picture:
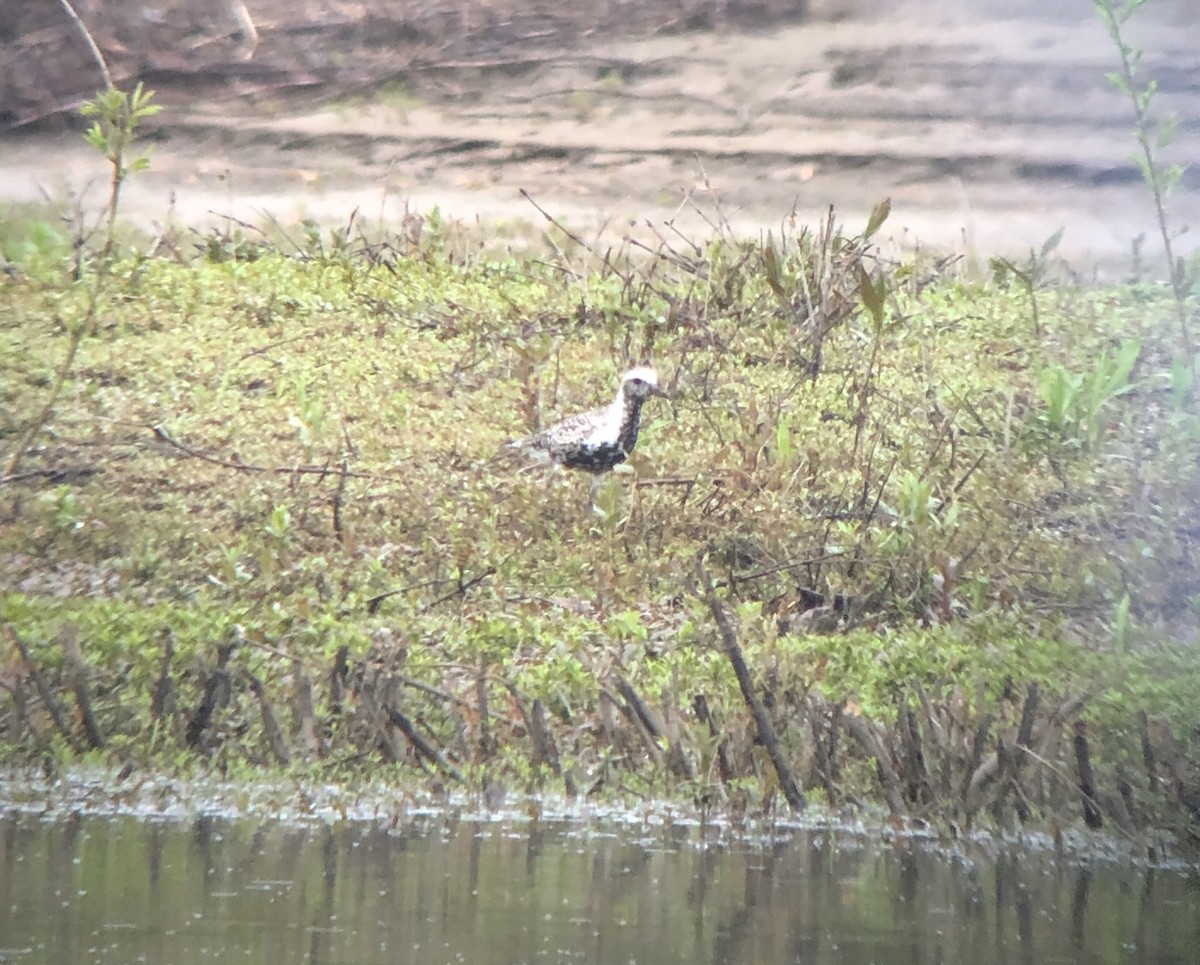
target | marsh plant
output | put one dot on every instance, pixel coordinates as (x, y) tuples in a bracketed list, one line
[(116, 116), (1152, 137), (883, 533)]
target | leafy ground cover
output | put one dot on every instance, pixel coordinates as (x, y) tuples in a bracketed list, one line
[(948, 522)]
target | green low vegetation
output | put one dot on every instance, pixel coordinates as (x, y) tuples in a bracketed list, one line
[(251, 515), (293, 450)]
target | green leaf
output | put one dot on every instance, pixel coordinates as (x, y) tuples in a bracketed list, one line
[(1182, 378), (871, 295), (770, 261), (1122, 367), (1051, 243), (784, 445), (879, 215), (95, 137), (1169, 177), (1143, 167), (1166, 130), (749, 610)]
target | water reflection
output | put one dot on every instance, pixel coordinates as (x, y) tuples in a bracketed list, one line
[(120, 891)]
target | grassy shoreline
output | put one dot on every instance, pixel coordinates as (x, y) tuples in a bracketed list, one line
[(950, 522)]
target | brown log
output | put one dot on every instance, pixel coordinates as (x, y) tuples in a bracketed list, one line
[(162, 695), (835, 719), (337, 680), (369, 725), (45, 691), (485, 744), (1168, 755), (933, 728), (1120, 806), (271, 728), (1147, 750), (916, 776), (981, 771), (216, 695), (305, 715), (677, 760), (1013, 766), (860, 729), (68, 640), (336, 502), (704, 715), (1004, 767), (992, 767), (422, 746), (1087, 781), (23, 717), (821, 762), (637, 714), (765, 731), (639, 708), (545, 751), (608, 722), (1028, 718), (937, 736), (519, 703)]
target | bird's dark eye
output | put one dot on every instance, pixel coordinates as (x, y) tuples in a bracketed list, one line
[(639, 381)]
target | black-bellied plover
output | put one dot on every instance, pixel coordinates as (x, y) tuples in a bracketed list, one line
[(598, 440)]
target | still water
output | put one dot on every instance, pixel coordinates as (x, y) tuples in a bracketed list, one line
[(121, 890)]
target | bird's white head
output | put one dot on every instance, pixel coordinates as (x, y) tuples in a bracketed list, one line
[(640, 383)]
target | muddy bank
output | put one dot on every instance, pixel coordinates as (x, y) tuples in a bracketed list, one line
[(990, 125)]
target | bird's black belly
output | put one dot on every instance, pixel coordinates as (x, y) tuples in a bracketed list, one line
[(594, 458)]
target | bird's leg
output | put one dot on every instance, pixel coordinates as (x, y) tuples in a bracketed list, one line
[(552, 472), (593, 489)]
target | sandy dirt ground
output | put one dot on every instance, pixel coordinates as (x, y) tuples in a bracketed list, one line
[(989, 124)]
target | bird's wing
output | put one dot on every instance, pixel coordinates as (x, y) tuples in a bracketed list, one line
[(586, 428)]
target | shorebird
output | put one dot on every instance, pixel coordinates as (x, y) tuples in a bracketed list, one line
[(598, 440)]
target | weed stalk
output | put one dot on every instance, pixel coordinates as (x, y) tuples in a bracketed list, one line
[(117, 116), (1151, 137)]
